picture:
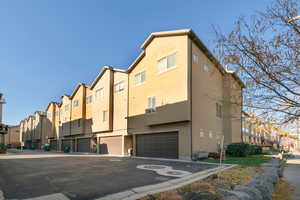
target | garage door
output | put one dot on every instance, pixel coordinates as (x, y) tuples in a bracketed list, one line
[(111, 145), (68, 143), (84, 145), (164, 145), (53, 145)]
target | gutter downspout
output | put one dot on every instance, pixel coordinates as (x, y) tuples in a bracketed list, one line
[(191, 84)]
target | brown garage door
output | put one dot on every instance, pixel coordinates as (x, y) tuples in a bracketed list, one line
[(68, 143), (111, 145), (84, 145), (53, 145), (164, 145)]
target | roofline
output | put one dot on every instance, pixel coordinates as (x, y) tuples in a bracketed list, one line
[(64, 95), (76, 89), (194, 38), (104, 68)]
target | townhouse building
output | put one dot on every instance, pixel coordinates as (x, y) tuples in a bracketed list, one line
[(256, 131), (28, 139), (12, 138), (173, 101), (52, 123)]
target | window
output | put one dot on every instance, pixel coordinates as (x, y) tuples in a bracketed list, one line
[(152, 103), (89, 99), (119, 86), (67, 107), (49, 115), (205, 68), (104, 117), (99, 93), (139, 78), (166, 63), (78, 122), (218, 110), (195, 58), (76, 103)]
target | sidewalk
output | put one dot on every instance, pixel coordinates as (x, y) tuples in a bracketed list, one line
[(292, 174)]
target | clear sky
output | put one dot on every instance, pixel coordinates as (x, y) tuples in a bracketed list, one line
[(48, 46)]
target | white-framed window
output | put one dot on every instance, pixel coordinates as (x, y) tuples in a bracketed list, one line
[(99, 93), (119, 86), (166, 63), (76, 103), (152, 103), (205, 68), (104, 115), (139, 78), (89, 99), (195, 58), (67, 107), (218, 110)]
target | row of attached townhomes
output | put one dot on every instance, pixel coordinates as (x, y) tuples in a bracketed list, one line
[(173, 101)]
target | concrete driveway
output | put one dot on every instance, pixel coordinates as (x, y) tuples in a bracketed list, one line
[(28, 175)]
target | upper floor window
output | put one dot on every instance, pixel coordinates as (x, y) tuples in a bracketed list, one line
[(67, 107), (104, 115), (76, 103), (139, 78), (89, 99), (218, 110), (119, 86), (49, 115), (99, 93), (166, 63), (152, 103)]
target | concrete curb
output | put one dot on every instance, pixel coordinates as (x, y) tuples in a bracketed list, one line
[(143, 191), (177, 160), (2, 195)]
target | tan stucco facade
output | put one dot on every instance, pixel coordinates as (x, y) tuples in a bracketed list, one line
[(12, 138), (189, 91)]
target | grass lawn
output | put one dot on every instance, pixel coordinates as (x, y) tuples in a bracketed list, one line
[(253, 160)]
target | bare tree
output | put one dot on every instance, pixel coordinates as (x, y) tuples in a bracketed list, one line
[(264, 50)]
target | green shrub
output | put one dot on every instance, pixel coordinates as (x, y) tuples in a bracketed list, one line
[(238, 149), (255, 149)]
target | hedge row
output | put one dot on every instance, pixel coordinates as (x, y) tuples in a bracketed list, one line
[(243, 149)]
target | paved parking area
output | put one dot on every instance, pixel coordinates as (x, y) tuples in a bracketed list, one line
[(79, 176)]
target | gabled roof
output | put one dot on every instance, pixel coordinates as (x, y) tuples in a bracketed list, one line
[(51, 102), (77, 88), (103, 71), (194, 38), (100, 75), (65, 95)]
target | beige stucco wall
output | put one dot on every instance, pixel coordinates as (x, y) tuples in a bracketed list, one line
[(78, 113), (65, 116), (170, 89), (120, 104), (207, 90), (13, 136), (103, 104)]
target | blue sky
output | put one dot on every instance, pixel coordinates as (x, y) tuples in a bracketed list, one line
[(47, 47)]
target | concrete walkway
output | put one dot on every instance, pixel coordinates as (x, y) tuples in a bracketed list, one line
[(292, 174)]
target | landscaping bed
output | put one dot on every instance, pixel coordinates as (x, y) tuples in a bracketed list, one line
[(237, 183), (208, 188)]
